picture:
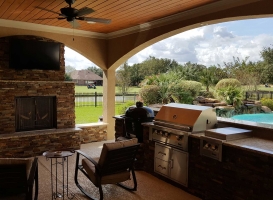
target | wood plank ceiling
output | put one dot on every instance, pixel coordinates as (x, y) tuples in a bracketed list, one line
[(123, 13)]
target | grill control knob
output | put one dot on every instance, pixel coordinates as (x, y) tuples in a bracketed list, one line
[(180, 137), (166, 134)]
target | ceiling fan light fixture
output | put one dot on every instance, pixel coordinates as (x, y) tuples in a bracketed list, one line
[(90, 22), (70, 19)]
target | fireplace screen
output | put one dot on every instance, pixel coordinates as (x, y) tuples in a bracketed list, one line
[(35, 113)]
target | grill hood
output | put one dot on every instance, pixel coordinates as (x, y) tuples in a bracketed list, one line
[(193, 118)]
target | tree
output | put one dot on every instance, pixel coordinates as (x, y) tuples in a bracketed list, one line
[(249, 73), (267, 55), (96, 70), (206, 77), (136, 75), (67, 77), (190, 71), (69, 69), (154, 66), (123, 78)]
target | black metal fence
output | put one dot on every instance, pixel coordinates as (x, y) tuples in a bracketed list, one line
[(96, 99), (258, 95)]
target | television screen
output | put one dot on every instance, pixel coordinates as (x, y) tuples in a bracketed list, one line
[(33, 54)]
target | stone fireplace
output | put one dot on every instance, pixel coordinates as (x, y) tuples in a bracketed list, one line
[(36, 105)]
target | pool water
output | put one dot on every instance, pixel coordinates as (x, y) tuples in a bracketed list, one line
[(266, 118)]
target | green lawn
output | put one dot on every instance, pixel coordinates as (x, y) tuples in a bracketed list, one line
[(89, 114), (99, 89), (263, 88)]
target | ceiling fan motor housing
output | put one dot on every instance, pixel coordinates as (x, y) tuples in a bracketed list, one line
[(70, 1), (69, 12)]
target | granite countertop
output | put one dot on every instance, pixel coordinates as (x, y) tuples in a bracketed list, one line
[(252, 144)]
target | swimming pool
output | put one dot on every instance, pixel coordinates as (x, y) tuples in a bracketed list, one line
[(266, 118)]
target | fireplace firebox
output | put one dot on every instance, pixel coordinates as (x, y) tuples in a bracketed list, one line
[(35, 113)]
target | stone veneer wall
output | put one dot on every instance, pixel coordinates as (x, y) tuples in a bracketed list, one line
[(65, 97), (94, 132), (16, 83), (34, 143)]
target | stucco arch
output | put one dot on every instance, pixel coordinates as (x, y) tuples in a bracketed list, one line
[(135, 42), (171, 33), (159, 38)]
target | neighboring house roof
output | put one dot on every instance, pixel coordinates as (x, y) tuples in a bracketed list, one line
[(85, 75)]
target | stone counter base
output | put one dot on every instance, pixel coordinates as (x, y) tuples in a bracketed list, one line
[(34, 143), (93, 132)]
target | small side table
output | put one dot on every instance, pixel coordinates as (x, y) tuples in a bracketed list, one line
[(60, 158)]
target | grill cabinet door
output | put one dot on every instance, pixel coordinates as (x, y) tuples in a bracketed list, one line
[(161, 167), (179, 166), (162, 152), (162, 156)]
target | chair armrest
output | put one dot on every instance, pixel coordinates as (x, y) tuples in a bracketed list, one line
[(88, 157), (33, 177), (33, 169)]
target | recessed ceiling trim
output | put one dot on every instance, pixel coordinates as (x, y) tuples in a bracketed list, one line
[(50, 29), (217, 6)]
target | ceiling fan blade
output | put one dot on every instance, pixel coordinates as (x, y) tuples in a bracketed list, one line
[(84, 11), (96, 20), (74, 24), (46, 18), (48, 10)]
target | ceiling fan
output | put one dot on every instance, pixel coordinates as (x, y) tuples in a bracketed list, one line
[(73, 14)]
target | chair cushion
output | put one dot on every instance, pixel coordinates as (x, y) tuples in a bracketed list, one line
[(114, 145), (18, 161), (109, 179)]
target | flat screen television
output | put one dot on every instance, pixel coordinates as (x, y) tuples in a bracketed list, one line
[(33, 54)]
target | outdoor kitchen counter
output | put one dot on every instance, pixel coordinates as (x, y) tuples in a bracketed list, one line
[(253, 144)]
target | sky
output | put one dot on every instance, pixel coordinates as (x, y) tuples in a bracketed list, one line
[(208, 45)]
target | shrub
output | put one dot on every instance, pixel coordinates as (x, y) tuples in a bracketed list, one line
[(121, 109), (149, 94), (231, 95), (267, 102), (206, 94), (224, 83), (185, 91)]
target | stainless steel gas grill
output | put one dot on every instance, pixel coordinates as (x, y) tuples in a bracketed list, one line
[(172, 125)]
